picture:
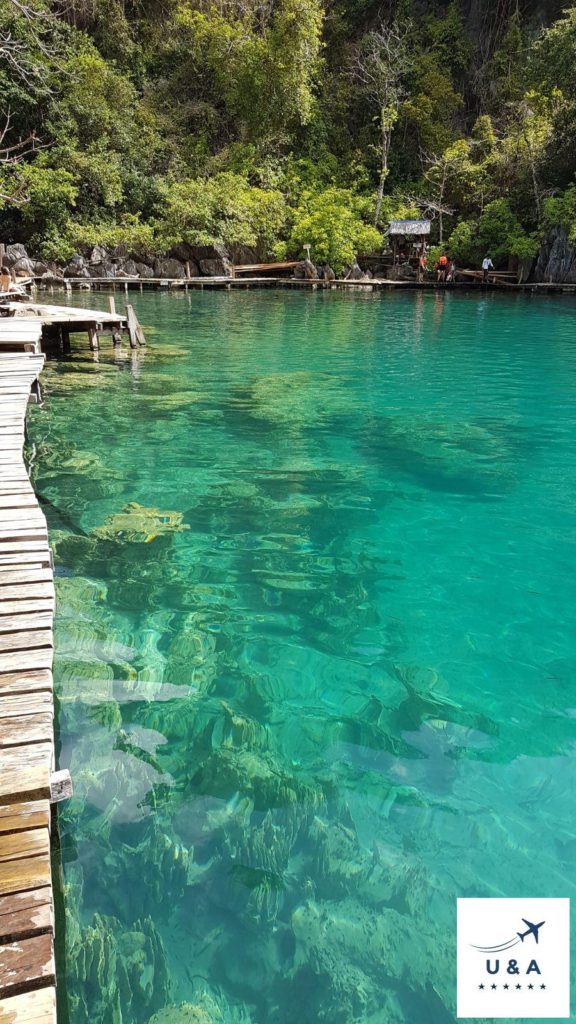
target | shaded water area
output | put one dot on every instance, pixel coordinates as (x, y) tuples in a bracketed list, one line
[(316, 654)]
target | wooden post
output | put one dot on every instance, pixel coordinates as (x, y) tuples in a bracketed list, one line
[(188, 269), (93, 338), (132, 333), (60, 786), (112, 305)]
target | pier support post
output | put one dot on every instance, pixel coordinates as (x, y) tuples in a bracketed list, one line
[(135, 332), (93, 339)]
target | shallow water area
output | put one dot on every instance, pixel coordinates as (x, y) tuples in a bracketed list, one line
[(315, 646)]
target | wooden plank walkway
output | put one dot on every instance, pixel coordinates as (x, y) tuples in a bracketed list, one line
[(27, 969)]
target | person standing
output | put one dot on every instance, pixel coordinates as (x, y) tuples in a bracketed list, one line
[(422, 266), (486, 266)]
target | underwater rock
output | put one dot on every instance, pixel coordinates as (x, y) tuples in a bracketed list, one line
[(191, 659), (386, 946), (259, 858), (228, 771), (452, 456), (424, 702), (298, 399), (339, 865), (208, 1008), (139, 525), (117, 975), (185, 1013)]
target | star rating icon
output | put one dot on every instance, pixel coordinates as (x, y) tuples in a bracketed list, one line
[(506, 987)]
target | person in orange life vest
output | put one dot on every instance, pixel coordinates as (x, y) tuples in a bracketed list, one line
[(442, 267)]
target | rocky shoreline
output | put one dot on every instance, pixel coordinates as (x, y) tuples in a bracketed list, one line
[(117, 263), (555, 263)]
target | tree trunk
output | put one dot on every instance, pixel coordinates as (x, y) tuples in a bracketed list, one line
[(386, 132)]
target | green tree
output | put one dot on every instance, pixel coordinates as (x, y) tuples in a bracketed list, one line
[(333, 223)]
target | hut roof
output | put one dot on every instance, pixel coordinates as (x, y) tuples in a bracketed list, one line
[(409, 227)]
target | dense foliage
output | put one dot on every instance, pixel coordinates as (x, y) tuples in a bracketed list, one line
[(270, 124)]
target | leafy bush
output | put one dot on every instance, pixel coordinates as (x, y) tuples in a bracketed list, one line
[(224, 209), (333, 223), (497, 233)]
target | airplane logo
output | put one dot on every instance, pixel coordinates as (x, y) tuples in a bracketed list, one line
[(532, 929)]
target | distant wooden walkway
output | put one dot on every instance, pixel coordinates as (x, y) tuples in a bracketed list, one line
[(27, 971)]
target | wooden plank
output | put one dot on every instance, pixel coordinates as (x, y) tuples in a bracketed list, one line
[(26, 964), (26, 681), (26, 729), (26, 515), (38, 1007), (23, 575), (15, 607), (29, 620), (18, 499), (19, 921), (30, 814), (24, 544), (16, 705), (21, 779), (29, 559), (26, 639), (24, 591), (34, 842), (23, 875), (39, 533), (12, 661)]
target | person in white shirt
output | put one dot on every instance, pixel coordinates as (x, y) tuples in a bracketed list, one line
[(486, 266)]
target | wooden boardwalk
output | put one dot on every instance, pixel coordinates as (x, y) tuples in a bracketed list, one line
[(27, 971)]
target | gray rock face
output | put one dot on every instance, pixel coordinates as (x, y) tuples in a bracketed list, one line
[(101, 270), (219, 267), (129, 268), (14, 253), (23, 267), (168, 268), (143, 270), (76, 267), (556, 262), (245, 254), (98, 254), (355, 273)]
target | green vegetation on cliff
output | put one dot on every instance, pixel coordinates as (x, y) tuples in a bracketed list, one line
[(268, 124)]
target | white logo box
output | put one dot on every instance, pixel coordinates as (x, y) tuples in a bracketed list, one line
[(513, 958)]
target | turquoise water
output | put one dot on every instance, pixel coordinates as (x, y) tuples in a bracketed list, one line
[(315, 647)]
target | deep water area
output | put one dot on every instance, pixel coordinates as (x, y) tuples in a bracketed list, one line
[(315, 646)]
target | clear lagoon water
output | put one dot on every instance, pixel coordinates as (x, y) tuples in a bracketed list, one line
[(316, 649)]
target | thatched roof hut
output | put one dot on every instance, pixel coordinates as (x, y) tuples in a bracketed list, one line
[(409, 227)]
